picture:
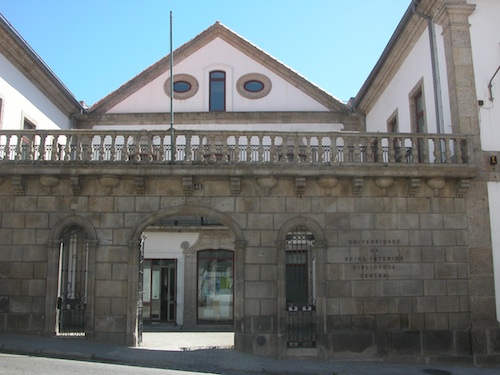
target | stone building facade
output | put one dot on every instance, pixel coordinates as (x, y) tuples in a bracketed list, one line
[(299, 224)]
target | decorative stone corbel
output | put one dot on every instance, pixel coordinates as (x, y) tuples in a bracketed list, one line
[(18, 184), (140, 185), (49, 181), (187, 185), (327, 183), (462, 187), (109, 182), (75, 185), (357, 186), (300, 186), (436, 184), (413, 186), (384, 183), (267, 183), (235, 185)]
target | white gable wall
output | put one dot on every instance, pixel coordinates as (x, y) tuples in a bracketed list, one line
[(417, 68), (21, 99), (218, 55), (485, 41)]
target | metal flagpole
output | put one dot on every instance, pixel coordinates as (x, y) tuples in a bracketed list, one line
[(172, 138)]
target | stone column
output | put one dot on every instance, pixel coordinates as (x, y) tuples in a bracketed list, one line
[(190, 288), (90, 306), (53, 247), (239, 294), (281, 340), (134, 248), (320, 248)]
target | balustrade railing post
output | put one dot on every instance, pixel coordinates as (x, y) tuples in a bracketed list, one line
[(249, 149), (308, 151), (457, 147), (437, 150), (333, 149), (42, 150), (391, 149)]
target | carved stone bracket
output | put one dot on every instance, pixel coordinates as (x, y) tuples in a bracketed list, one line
[(413, 186), (357, 186), (327, 183), (75, 185), (267, 183), (235, 185), (18, 184), (436, 184), (140, 185), (187, 185), (109, 182), (384, 183), (300, 186), (49, 181), (462, 187)]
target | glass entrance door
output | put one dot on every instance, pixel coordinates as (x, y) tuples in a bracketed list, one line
[(215, 286), (160, 285)]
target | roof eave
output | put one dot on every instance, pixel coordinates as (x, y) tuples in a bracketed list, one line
[(383, 58), (27, 61)]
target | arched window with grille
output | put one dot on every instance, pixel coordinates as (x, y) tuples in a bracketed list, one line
[(73, 280), (300, 290), (299, 267)]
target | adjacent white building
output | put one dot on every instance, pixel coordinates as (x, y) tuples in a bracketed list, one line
[(410, 90)]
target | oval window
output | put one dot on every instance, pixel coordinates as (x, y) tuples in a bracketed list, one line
[(182, 86), (253, 86)]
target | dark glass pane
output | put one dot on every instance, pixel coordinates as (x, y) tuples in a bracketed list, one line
[(217, 91), (217, 96), (253, 86), (296, 277), (219, 75), (182, 86)]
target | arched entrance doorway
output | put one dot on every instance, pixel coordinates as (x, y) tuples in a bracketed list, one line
[(69, 306), (189, 270), (301, 244)]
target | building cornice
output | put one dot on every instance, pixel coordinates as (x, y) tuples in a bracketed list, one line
[(350, 120)]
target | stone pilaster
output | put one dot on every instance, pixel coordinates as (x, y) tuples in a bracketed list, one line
[(453, 17)]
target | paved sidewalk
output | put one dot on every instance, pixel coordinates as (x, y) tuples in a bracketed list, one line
[(191, 353)]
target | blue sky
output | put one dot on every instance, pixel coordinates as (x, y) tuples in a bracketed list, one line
[(95, 46)]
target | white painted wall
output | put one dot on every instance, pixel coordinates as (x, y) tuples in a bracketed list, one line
[(167, 245), (485, 41), (22, 99), (218, 55), (396, 97), (494, 202)]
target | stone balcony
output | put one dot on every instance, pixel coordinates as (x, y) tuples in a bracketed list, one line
[(236, 154)]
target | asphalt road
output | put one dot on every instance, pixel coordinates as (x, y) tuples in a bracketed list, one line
[(12, 364)]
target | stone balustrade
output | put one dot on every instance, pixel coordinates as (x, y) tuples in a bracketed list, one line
[(115, 146)]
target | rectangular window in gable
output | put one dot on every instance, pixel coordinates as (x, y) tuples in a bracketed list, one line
[(217, 98)]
